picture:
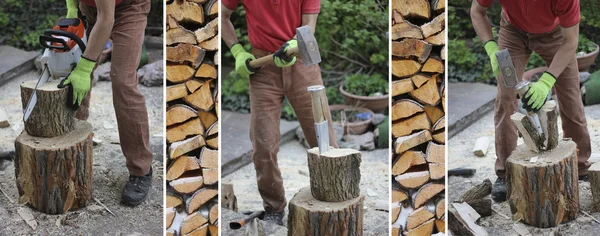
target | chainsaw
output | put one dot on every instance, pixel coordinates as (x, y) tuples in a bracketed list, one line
[(64, 45)]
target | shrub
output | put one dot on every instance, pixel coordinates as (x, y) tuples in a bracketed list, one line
[(366, 85)]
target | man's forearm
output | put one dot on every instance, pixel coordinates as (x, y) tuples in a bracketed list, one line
[(99, 36), (569, 47), (481, 22), (227, 29), (310, 20)]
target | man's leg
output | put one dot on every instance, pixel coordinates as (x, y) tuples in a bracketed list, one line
[(574, 124), (266, 99)]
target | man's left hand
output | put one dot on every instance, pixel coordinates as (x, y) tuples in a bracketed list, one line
[(72, 8), (536, 95), (281, 58)]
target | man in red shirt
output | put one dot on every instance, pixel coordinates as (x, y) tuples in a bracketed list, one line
[(271, 29), (551, 29)]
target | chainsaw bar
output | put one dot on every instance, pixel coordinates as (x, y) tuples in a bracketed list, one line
[(33, 100)]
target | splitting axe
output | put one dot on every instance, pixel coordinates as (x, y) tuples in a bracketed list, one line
[(249, 218), (307, 49)]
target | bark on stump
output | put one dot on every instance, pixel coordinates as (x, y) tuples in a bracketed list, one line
[(309, 216), (53, 115), (54, 175), (335, 174), (543, 192)]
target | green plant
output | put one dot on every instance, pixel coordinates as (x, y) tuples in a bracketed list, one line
[(234, 92), (333, 95), (585, 45), (366, 85)]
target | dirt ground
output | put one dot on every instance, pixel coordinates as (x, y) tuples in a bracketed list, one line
[(293, 164), (460, 155), (110, 173)]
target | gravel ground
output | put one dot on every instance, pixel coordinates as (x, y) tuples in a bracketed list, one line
[(110, 173), (460, 155), (294, 168)]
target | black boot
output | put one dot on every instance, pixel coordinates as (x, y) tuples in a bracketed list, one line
[(137, 188), (274, 217), (499, 190), (585, 178)]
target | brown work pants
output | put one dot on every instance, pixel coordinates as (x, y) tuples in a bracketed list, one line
[(130, 105), (520, 44), (268, 87)]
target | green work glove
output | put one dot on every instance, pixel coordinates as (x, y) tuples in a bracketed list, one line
[(281, 58), (72, 8), (79, 79), (242, 57), (536, 95), (491, 47)]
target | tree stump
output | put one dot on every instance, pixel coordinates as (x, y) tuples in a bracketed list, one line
[(309, 216), (335, 174), (54, 175), (53, 115), (543, 192), (594, 172)]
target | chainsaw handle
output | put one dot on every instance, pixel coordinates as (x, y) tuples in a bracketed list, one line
[(47, 39)]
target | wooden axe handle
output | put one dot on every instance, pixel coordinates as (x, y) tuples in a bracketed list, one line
[(318, 98), (263, 61)]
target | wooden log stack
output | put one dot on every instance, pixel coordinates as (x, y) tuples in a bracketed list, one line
[(333, 204), (418, 116), (53, 162), (192, 117)]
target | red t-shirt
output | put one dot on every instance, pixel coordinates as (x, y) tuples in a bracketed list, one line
[(539, 16), (93, 2), (271, 23)]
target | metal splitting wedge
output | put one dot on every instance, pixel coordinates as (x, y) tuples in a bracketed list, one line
[(319, 103)]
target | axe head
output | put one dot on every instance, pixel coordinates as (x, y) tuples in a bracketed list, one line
[(307, 46), (507, 69)]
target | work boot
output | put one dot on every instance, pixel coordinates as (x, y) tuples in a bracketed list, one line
[(274, 217), (584, 178), (499, 190), (137, 188)]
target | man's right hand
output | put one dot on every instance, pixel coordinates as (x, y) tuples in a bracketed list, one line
[(72, 8), (241, 57), (491, 47)]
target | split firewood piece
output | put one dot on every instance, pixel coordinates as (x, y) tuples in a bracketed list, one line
[(444, 99), (440, 208), (213, 213), (594, 172), (482, 206), (439, 136), (396, 230), (443, 52), (530, 135), (180, 113), (407, 142), (413, 8), (170, 216), (403, 68), (180, 148), (211, 44), (549, 121), (216, 58), (181, 165), (212, 130), (402, 86), (170, 232), (211, 175), (438, 39), (180, 35), (436, 153), (192, 222), (396, 17), (462, 222), (201, 231), (433, 65), (426, 192), (194, 84), (187, 185), (396, 208), (201, 99), (173, 199), (208, 31), (199, 198), (171, 22), (404, 108), (178, 73), (213, 229), (437, 171), (209, 158), (398, 196), (407, 126), (434, 26), (412, 48), (184, 52), (207, 70), (418, 217), (181, 131), (419, 79), (405, 29), (482, 144), (213, 142), (434, 113), (423, 229), (413, 179), (207, 118), (440, 225), (428, 93), (439, 126), (407, 160), (212, 8), (438, 5), (187, 12), (175, 92)]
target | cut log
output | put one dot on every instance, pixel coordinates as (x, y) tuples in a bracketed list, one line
[(209, 158), (213, 213), (170, 216), (437, 171), (201, 99), (424, 229), (440, 208), (436, 153), (440, 225), (396, 208), (405, 29), (438, 39), (462, 222), (212, 8), (413, 8), (54, 175), (418, 217), (398, 196), (211, 44), (335, 174), (179, 73), (439, 136), (440, 124), (438, 5), (180, 35), (548, 120), (213, 142), (405, 108), (594, 172), (407, 126), (477, 192), (482, 144), (173, 199), (207, 70), (186, 12), (179, 113), (428, 93), (213, 230), (412, 48), (426, 192), (407, 142), (545, 192), (531, 137), (419, 79), (199, 198), (208, 31), (192, 222), (53, 114), (403, 68), (207, 118), (181, 131), (175, 92), (211, 176), (194, 84), (180, 148), (482, 206), (433, 65), (407, 160), (309, 216), (187, 185), (183, 53), (180, 166), (434, 26), (201, 231), (412, 180), (434, 113), (402, 86)]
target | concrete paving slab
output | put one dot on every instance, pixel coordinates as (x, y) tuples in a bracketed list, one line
[(14, 62), (467, 102), (235, 131)]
